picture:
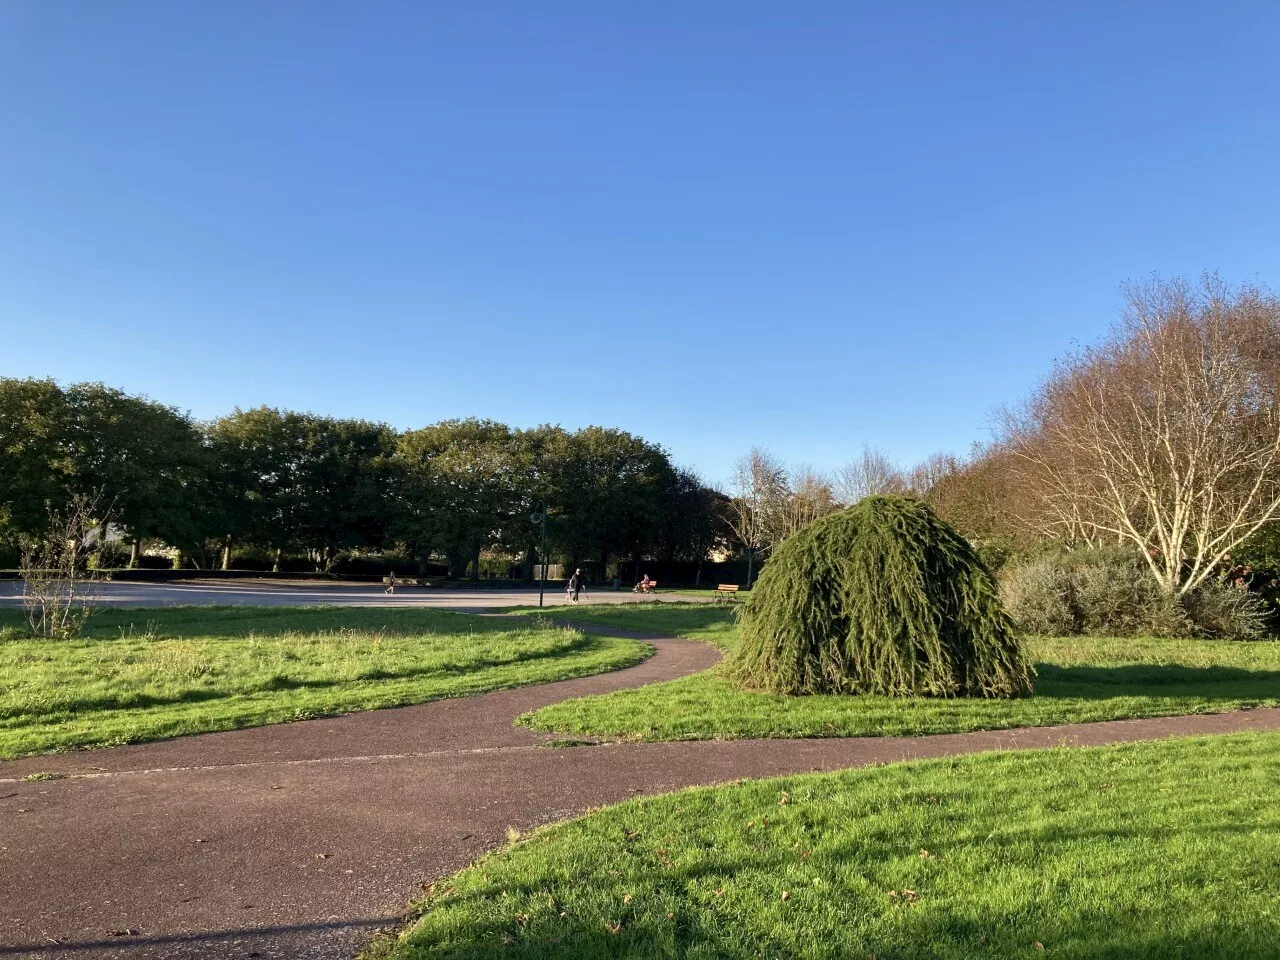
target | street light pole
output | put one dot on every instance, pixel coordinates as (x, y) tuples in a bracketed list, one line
[(541, 517)]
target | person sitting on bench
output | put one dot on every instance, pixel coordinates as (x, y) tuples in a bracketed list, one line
[(644, 586)]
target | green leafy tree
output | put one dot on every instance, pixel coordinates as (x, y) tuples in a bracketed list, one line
[(309, 483), (460, 490), (36, 468)]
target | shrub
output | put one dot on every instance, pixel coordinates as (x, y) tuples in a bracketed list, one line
[(1226, 610), (1040, 595), (1112, 593), (1093, 591), (881, 598)]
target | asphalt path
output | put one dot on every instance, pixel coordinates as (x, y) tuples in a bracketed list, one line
[(303, 840), (273, 593)]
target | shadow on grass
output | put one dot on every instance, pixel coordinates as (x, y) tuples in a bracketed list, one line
[(240, 621), (280, 682), (1153, 680)]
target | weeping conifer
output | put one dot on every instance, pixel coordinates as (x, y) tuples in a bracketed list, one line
[(881, 598)]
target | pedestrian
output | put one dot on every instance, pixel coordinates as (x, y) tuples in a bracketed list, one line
[(574, 587), (391, 584)]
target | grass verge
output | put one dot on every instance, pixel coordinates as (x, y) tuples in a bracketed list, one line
[(156, 673), (1080, 679), (1145, 850)]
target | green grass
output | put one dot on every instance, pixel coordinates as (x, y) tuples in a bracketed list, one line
[(150, 674), (694, 621), (1149, 850), (1080, 679)]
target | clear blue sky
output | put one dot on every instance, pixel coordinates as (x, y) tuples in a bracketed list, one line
[(803, 225)]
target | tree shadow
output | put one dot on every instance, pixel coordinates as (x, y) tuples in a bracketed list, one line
[(1154, 680)]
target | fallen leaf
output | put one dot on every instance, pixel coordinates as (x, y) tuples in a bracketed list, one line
[(785, 895)]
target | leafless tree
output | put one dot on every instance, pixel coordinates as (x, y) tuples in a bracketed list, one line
[(58, 593), (808, 497), (757, 493), (925, 476), (871, 473), (1167, 436)]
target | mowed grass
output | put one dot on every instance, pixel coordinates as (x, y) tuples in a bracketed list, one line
[(149, 674), (1079, 679), (711, 622), (1165, 849)]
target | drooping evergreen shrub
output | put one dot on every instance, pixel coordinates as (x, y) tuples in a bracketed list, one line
[(881, 598)]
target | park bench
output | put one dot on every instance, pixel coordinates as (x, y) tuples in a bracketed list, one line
[(649, 587), (726, 591)]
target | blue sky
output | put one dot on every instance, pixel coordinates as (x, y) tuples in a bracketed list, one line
[(807, 226)]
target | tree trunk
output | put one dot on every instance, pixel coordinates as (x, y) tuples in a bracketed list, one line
[(135, 550), (751, 556), (275, 567), (226, 554), (697, 578)]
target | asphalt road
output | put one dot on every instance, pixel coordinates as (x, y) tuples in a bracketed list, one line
[(300, 593)]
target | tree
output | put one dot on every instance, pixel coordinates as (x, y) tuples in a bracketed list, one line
[(309, 482), (870, 474), (461, 489), (608, 495), (881, 598), (757, 492), (808, 497), (143, 460), (57, 588), (36, 467), (1167, 435)]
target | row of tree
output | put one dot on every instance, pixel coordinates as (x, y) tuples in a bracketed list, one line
[(298, 483), (1163, 438)]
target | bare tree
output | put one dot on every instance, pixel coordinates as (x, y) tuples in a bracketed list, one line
[(1167, 436), (871, 473), (757, 493), (57, 587), (808, 497), (925, 476)]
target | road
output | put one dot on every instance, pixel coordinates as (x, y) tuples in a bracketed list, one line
[(274, 593)]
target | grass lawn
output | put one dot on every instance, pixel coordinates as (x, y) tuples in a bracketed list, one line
[(1079, 679), (149, 674), (1149, 850)]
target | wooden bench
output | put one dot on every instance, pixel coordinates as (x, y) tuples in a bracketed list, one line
[(726, 592), (649, 587)]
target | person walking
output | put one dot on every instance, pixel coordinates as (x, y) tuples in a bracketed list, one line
[(575, 585), (391, 583)]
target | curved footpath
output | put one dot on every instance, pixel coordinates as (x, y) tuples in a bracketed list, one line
[(302, 840)]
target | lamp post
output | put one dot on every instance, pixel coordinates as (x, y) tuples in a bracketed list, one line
[(540, 517)]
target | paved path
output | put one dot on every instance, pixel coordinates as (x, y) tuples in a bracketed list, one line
[(274, 593), (301, 840)]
